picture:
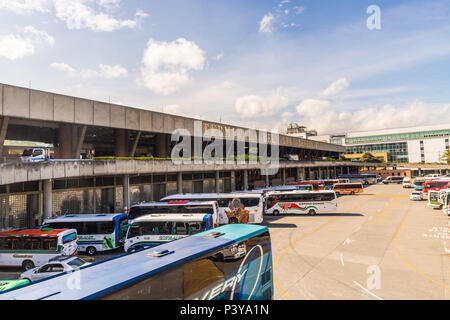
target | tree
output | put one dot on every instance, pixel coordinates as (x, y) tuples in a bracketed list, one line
[(446, 156), (368, 157)]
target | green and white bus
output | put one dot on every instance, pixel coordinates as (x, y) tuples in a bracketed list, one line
[(96, 232), (155, 229)]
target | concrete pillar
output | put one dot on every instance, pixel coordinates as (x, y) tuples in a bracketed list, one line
[(126, 193), (245, 180), (233, 181), (348, 170), (80, 134), (180, 182), (283, 172), (48, 199), (65, 141), (162, 147), (3, 131), (135, 144), (121, 143), (217, 182), (267, 181)]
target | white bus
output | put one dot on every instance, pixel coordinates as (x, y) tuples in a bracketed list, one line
[(445, 198), (96, 232), (233, 207), (29, 248), (176, 207), (310, 202), (435, 198), (155, 229)]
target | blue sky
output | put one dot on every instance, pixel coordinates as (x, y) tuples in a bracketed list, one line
[(256, 63)]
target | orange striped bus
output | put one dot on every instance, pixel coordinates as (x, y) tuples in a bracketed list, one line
[(348, 188)]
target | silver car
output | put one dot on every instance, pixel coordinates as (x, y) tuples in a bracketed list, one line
[(416, 195), (53, 267)]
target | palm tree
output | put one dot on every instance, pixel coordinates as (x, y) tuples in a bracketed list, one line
[(446, 156), (368, 157)]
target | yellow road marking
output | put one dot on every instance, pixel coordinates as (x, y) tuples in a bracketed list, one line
[(303, 237), (404, 260), (384, 195)]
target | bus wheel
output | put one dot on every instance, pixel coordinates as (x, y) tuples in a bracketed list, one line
[(27, 265), (233, 221), (276, 212), (312, 212), (91, 251)]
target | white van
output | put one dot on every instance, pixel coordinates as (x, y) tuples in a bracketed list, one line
[(35, 155), (407, 182)]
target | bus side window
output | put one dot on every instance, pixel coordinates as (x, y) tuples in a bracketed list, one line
[(91, 228), (28, 244), (49, 244), (106, 227), (14, 243)]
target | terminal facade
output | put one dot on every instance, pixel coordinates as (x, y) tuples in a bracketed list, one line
[(106, 157)]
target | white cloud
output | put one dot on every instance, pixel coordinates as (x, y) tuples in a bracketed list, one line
[(266, 23), (63, 67), (336, 87), (219, 56), (323, 116), (109, 3), (105, 71), (25, 6), (78, 15), (299, 10), (166, 65), (253, 106), (18, 46)]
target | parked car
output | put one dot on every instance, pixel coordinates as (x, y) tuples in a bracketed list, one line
[(53, 267), (407, 183), (393, 179), (416, 196)]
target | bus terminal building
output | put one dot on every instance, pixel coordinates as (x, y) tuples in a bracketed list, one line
[(108, 157)]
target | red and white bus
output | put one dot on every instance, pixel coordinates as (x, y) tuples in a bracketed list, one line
[(435, 185), (29, 248)]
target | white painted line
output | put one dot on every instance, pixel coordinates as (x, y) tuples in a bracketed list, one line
[(367, 291), (348, 241), (342, 259)]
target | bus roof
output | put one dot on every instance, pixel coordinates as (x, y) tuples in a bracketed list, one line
[(43, 232), (87, 217), (101, 277), (186, 217), (188, 196), (345, 183), (173, 203), (300, 191)]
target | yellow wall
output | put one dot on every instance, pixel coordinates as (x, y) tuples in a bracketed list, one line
[(379, 155)]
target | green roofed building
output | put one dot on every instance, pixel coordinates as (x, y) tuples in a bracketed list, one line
[(425, 144)]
